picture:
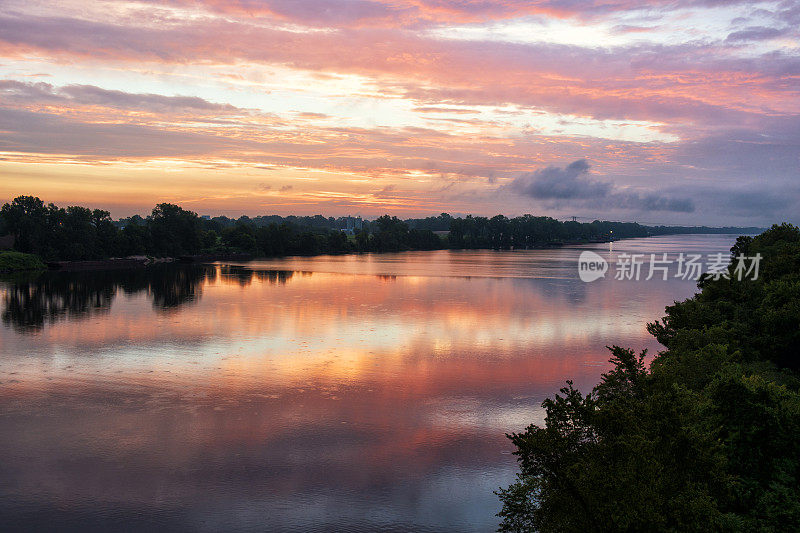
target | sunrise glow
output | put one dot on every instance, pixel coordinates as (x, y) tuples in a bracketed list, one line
[(686, 112)]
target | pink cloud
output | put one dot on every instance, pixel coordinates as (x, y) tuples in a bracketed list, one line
[(661, 83)]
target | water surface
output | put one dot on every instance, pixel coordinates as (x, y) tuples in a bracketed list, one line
[(348, 393)]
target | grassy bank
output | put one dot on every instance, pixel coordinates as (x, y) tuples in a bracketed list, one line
[(16, 261)]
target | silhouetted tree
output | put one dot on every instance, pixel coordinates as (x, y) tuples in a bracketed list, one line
[(25, 217), (174, 230)]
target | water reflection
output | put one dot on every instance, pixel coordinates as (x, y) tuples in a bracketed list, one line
[(294, 399), (29, 305), (33, 301)]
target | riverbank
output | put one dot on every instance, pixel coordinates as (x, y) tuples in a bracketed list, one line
[(117, 263), (18, 262), (142, 261), (33, 262)]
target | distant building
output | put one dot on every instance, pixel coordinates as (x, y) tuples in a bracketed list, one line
[(352, 225)]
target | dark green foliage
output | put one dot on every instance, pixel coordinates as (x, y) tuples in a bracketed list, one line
[(240, 237), (706, 439), (759, 320), (174, 230), (15, 261), (52, 232), (26, 218), (390, 234), (337, 242), (135, 239), (529, 231), (440, 223), (77, 233)]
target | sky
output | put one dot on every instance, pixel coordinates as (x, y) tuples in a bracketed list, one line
[(673, 112)]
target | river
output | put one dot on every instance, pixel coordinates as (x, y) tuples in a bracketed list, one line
[(333, 393)]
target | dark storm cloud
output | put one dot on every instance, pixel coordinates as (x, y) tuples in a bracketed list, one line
[(571, 185), (560, 183)]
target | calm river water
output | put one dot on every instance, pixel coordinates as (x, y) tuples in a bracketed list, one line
[(346, 393)]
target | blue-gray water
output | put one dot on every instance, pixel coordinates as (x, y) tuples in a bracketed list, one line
[(348, 393)]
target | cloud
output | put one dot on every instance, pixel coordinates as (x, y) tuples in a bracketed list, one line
[(557, 183), (40, 92), (426, 13), (755, 33), (725, 114), (649, 202), (445, 110), (758, 202), (152, 102), (570, 185), (43, 133), (312, 115), (387, 192), (761, 202), (636, 81)]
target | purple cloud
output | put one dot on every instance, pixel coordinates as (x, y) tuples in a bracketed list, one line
[(571, 185)]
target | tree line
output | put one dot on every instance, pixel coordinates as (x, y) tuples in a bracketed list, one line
[(707, 438), (79, 233)]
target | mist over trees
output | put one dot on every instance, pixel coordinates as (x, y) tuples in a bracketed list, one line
[(705, 439)]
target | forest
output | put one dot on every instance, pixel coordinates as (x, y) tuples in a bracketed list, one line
[(703, 436), (73, 233)]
